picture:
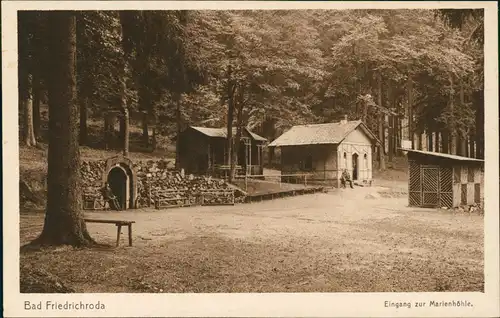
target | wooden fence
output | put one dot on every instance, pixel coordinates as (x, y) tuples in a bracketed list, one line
[(301, 178)]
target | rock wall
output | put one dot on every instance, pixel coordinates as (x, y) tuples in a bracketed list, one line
[(92, 174), (152, 175)]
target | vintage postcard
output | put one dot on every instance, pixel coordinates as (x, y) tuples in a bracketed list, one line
[(239, 158)]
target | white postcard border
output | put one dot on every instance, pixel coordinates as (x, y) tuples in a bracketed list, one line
[(257, 305)]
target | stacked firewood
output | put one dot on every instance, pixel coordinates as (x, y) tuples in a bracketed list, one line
[(155, 177), (91, 177)]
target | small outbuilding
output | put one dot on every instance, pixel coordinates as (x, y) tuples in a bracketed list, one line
[(203, 150), (444, 180), (323, 151)]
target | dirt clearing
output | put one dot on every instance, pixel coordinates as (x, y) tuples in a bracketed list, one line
[(342, 241)]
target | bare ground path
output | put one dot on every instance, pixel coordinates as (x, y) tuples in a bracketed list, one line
[(345, 240)]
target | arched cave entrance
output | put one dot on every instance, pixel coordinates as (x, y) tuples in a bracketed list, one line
[(122, 181), (118, 182)]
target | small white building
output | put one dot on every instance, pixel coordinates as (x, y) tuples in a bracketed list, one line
[(325, 150)]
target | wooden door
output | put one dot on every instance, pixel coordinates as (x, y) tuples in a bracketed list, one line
[(430, 186)]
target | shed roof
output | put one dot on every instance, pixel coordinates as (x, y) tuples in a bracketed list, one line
[(442, 155), (330, 133), (222, 132)]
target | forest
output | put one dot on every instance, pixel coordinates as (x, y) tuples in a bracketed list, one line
[(268, 70), (412, 75)]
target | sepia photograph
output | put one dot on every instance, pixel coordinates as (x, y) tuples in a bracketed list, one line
[(251, 151)]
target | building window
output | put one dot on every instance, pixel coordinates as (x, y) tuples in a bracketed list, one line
[(345, 160), (470, 174), (365, 161)]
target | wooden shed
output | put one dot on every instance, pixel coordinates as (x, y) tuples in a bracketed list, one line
[(203, 150), (444, 180), (324, 150)]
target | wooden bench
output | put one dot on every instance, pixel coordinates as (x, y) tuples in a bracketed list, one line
[(171, 198), (119, 224), (225, 196)]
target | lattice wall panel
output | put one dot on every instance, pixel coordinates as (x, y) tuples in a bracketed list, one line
[(431, 198), (445, 180), (415, 181), (414, 198), (446, 200), (430, 179)]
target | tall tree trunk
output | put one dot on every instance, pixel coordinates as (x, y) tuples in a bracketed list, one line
[(409, 87), (391, 137), (230, 117), (437, 141), (381, 116), (478, 98), (36, 104), (270, 132), (239, 123), (38, 69), (153, 141), (83, 120), (397, 135), (419, 140), (465, 145), (453, 133), (472, 153), (106, 131), (461, 135), (145, 129), (27, 102), (398, 129), (458, 144), (126, 133), (125, 120), (430, 142), (178, 120), (445, 141), (236, 146), (64, 222), (145, 106)]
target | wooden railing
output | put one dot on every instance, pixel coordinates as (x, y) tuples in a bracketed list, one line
[(181, 198), (171, 198), (217, 197), (298, 178), (222, 171)]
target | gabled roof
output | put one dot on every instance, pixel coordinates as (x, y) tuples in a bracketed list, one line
[(222, 132), (442, 155), (331, 133)]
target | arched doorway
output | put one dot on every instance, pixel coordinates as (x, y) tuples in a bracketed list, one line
[(122, 180), (355, 166), (119, 184)]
